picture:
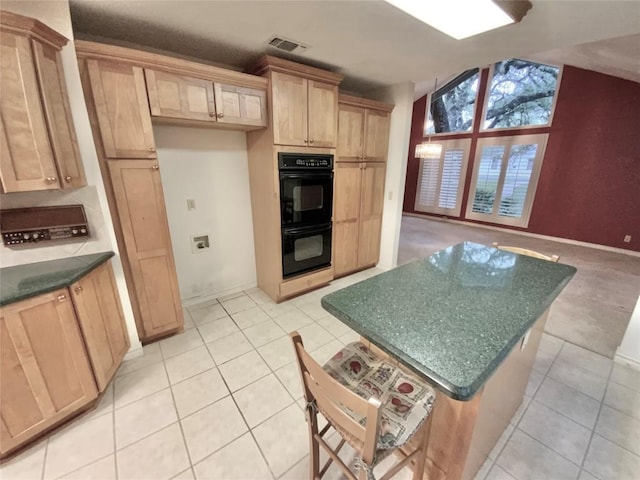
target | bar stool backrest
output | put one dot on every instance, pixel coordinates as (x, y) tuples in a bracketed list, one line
[(526, 251)]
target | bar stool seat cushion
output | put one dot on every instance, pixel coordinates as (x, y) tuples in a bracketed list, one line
[(406, 400)]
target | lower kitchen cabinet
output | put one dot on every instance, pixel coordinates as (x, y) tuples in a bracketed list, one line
[(45, 375), (97, 304), (357, 215)]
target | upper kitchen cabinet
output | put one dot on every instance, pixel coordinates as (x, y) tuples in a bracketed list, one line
[(178, 96), (38, 145), (304, 103), (240, 105), (188, 98), (363, 130), (122, 110)]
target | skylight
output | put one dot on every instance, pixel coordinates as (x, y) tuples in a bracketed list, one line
[(457, 18)]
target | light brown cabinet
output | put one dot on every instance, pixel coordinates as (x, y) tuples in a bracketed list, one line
[(188, 98), (179, 96), (357, 215), (363, 133), (38, 145), (139, 199), (122, 111), (240, 105), (305, 111), (360, 169), (97, 303), (45, 375)]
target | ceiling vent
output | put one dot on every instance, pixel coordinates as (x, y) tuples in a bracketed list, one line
[(286, 44)]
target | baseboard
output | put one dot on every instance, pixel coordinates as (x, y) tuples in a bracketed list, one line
[(134, 352), (625, 360), (189, 302), (527, 234)]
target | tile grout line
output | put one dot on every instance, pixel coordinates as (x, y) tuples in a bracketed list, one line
[(595, 425), (44, 458), (175, 406)]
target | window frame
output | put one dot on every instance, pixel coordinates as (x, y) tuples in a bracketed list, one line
[(463, 144), (427, 135), (508, 141), (485, 103)]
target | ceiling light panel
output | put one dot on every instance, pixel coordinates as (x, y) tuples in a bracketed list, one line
[(457, 18)]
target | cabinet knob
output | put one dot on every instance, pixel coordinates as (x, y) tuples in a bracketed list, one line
[(78, 289), (305, 140), (156, 167), (62, 298), (151, 149), (311, 140), (68, 179), (50, 179), (220, 115), (212, 114)]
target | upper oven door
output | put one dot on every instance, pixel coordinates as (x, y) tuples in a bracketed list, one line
[(305, 198)]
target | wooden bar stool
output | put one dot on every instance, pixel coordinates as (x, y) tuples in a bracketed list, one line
[(526, 251), (376, 408)]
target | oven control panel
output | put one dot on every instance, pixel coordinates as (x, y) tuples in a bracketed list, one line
[(304, 161), (54, 233)]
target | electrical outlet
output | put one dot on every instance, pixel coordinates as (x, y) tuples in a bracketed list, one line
[(627, 238)]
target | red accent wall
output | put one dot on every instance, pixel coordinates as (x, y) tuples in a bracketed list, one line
[(589, 187)]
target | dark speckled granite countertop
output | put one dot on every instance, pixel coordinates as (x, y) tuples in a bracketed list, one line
[(25, 281), (454, 316)]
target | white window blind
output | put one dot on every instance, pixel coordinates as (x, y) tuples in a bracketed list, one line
[(505, 177), (440, 181)]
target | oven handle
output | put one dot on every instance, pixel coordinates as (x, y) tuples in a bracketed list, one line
[(301, 230), (316, 175)]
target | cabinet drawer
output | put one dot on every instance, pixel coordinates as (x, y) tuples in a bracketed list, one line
[(306, 282)]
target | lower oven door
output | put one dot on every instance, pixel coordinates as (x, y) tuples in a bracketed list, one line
[(305, 249)]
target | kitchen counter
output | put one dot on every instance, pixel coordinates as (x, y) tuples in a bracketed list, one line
[(455, 316), (25, 281)]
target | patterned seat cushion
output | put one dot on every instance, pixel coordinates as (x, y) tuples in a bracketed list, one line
[(406, 400)]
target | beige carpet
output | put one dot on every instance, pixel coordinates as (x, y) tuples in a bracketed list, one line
[(592, 311)]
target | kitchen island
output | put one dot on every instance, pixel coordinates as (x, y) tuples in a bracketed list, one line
[(468, 319)]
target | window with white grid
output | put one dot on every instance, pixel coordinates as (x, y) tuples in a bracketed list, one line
[(441, 180), (505, 176)]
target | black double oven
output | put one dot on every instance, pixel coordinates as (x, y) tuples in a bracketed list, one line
[(306, 207)]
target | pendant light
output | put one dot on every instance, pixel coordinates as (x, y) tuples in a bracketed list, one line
[(429, 150)]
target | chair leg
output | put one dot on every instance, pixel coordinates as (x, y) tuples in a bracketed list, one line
[(314, 448), (418, 467)]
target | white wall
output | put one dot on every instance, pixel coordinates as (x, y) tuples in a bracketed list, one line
[(629, 350), (211, 167), (55, 14), (401, 95)]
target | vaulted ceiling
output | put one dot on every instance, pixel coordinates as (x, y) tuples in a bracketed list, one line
[(372, 43)]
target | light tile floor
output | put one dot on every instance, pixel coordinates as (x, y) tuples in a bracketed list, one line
[(223, 401)]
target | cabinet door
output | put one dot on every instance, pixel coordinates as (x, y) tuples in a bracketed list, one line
[(97, 303), (350, 134), (323, 114), (178, 96), (241, 106), (140, 201), (121, 106), (376, 136), (346, 212), (289, 109), (44, 371), (26, 161), (58, 113), (371, 203)]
